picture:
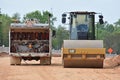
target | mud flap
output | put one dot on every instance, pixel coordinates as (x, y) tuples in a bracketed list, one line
[(15, 60), (45, 61)]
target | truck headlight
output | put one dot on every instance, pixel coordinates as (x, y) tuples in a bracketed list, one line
[(71, 50)]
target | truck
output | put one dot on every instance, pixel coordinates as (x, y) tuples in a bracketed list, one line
[(82, 49), (30, 40)]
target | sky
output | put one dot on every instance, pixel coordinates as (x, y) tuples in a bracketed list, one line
[(109, 8)]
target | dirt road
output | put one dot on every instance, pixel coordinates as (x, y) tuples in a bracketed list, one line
[(33, 71)]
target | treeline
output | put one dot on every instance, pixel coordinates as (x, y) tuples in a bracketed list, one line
[(110, 33), (5, 21)]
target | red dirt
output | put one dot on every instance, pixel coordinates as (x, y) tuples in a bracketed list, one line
[(33, 71), (4, 54), (112, 62)]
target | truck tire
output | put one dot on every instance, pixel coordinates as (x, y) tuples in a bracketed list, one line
[(15, 60), (45, 61)]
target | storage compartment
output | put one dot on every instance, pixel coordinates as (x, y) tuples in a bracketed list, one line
[(29, 40)]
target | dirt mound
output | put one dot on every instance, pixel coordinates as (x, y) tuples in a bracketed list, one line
[(112, 62), (4, 54)]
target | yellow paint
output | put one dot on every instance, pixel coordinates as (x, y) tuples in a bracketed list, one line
[(85, 51)]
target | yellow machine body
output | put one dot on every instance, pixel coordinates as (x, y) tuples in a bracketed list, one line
[(83, 53)]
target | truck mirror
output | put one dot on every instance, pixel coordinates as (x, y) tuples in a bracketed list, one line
[(101, 19), (64, 15), (64, 18), (53, 33)]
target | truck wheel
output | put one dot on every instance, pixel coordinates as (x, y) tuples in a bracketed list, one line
[(15, 60), (45, 61)]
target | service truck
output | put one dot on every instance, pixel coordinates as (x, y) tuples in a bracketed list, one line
[(30, 41)]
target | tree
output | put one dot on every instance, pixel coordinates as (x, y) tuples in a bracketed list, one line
[(117, 23), (41, 16), (113, 41), (16, 17), (61, 34), (110, 34), (4, 29), (32, 15), (110, 28), (101, 31)]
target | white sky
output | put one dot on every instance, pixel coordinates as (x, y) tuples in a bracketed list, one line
[(109, 8)]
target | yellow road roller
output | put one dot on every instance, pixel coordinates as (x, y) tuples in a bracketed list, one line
[(82, 50)]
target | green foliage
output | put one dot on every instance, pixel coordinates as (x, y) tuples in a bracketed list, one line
[(113, 41), (61, 34), (101, 31), (117, 23), (4, 30), (16, 16), (110, 34), (43, 17), (110, 28)]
